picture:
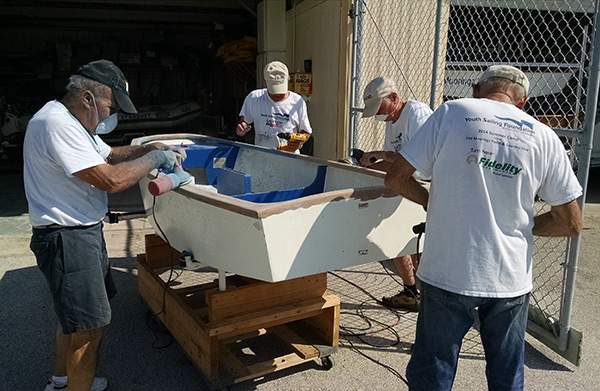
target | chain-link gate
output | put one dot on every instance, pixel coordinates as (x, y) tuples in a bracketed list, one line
[(436, 49)]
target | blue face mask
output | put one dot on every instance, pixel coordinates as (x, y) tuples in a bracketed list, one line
[(108, 124)]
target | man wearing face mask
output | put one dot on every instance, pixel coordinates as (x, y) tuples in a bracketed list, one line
[(403, 119), (274, 110), (68, 170)]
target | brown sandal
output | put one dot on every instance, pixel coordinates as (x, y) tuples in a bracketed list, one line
[(404, 300)]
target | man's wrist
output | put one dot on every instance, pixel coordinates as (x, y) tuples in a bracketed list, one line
[(151, 147)]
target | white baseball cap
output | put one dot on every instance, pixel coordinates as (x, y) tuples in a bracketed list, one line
[(375, 91), (506, 72), (276, 76)]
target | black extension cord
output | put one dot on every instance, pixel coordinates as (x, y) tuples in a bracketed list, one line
[(348, 332), (152, 319)]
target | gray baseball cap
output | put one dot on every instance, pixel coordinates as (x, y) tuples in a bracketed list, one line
[(506, 72)]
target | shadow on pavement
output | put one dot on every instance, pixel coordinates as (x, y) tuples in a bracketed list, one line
[(535, 359), (380, 338), (12, 195), (593, 190), (127, 357)]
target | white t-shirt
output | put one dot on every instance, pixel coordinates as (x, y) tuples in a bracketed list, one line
[(413, 115), (487, 161), (57, 146), (270, 117)]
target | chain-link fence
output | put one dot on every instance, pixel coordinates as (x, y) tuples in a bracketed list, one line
[(436, 49)]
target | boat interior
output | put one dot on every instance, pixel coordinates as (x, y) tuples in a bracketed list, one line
[(260, 175)]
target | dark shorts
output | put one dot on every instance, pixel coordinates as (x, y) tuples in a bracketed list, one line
[(75, 264)]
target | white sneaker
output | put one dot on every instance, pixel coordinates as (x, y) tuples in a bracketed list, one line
[(52, 385), (99, 384)]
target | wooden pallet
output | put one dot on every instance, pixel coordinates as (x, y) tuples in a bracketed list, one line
[(215, 328)]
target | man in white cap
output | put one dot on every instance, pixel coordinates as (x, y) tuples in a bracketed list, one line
[(488, 160), (403, 119), (274, 110)]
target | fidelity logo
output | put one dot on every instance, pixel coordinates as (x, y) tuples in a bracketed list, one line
[(503, 168)]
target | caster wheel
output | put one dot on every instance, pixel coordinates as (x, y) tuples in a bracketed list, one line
[(327, 362)]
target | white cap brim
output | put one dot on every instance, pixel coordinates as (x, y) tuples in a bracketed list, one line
[(371, 107)]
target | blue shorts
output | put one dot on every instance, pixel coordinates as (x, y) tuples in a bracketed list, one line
[(76, 266)]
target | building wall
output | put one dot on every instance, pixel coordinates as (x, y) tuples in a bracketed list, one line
[(319, 30), (271, 35)]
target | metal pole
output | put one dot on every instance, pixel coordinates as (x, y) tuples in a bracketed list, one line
[(436, 54), (356, 14), (585, 152), (584, 39)]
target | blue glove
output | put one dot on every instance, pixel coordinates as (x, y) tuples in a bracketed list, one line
[(166, 160), (179, 150), (183, 177)]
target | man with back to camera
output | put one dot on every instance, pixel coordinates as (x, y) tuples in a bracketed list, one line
[(403, 119), (274, 110), (67, 172), (488, 160)]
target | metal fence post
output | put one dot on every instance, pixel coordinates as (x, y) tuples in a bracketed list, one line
[(356, 14), (585, 150), (436, 54), (580, 76)]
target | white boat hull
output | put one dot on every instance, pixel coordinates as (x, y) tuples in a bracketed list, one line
[(282, 240)]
